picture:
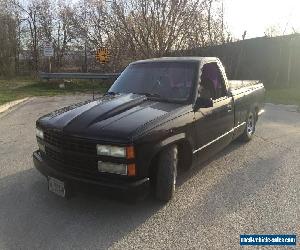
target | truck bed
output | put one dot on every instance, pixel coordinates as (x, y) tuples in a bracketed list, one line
[(238, 84)]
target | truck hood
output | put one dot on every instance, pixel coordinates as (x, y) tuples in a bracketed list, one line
[(112, 118)]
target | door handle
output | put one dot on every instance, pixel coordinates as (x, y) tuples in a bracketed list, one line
[(229, 108)]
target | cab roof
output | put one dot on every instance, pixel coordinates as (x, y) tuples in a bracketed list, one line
[(179, 59)]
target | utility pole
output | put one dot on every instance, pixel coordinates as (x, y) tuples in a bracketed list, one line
[(85, 40)]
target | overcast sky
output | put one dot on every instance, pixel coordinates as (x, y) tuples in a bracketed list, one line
[(256, 15)]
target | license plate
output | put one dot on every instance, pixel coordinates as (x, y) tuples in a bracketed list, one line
[(56, 186)]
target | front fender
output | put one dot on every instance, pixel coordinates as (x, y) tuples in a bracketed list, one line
[(168, 141), (150, 153)]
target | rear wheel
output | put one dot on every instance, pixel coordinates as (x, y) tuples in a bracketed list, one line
[(166, 174), (250, 127)]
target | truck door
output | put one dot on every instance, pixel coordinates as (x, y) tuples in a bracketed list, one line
[(213, 125)]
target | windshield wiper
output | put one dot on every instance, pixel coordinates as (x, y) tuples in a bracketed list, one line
[(149, 95), (155, 96), (111, 93)]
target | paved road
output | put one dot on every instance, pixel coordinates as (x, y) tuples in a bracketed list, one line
[(247, 188)]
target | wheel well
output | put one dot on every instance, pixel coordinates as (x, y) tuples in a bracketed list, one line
[(185, 157)]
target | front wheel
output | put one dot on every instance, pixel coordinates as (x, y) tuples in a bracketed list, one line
[(166, 174), (250, 127)]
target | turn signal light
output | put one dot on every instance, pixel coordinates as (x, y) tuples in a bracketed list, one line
[(131, 169), (130, 152)]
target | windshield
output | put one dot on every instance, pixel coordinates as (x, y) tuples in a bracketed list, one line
[(165, 80)]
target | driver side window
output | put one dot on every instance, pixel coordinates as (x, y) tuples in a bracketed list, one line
[(212, 83), (206, 89)]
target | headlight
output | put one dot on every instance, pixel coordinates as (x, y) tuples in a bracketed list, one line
[(111, 151), (118, 151), (39, 133), (112, 168), (115, 168), (115, 151)]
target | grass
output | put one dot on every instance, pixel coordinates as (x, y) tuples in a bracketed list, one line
[(17, 88), (14, 89), (290, 96)]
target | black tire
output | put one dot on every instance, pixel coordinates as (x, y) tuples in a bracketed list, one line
[(166, 174), (250, 127)]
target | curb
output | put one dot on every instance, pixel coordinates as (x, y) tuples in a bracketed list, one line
[(10, 105)]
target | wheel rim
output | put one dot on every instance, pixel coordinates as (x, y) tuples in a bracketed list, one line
[(250, 124)]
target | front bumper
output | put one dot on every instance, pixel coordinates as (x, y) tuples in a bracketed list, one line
[(82, 183)]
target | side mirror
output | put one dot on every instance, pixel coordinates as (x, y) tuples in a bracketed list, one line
[(203, 103)]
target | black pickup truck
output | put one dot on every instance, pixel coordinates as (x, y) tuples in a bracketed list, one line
[(157, 117)]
